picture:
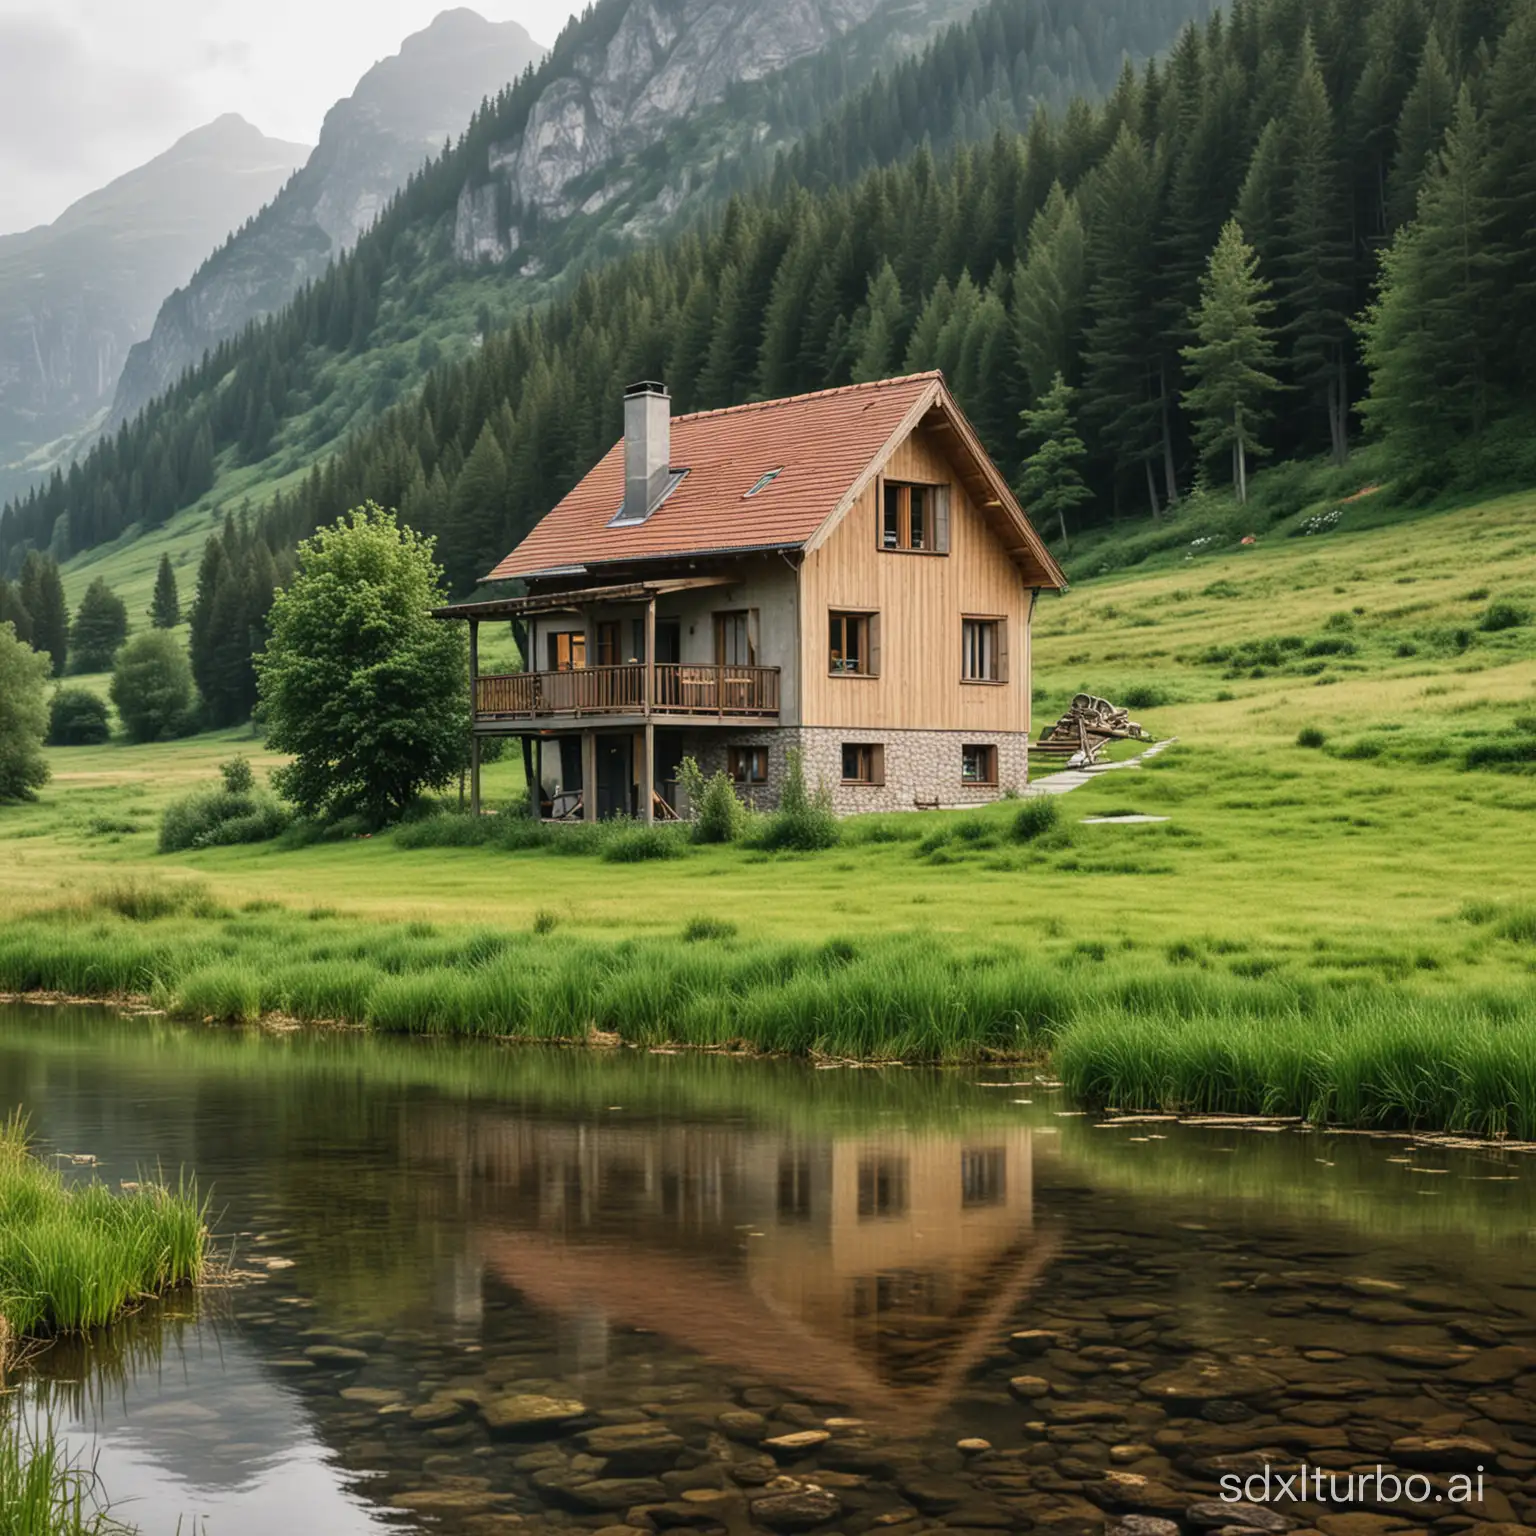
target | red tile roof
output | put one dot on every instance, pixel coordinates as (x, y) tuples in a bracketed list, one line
[(822, 444)]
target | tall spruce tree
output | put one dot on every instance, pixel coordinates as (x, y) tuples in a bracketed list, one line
[(1432, 332), (1315, 264), (165, 604), (1048, 292), (14, 612), (1229, 363), (42, 595), (1051, 481)]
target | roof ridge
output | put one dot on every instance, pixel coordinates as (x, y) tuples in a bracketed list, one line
[(815, 394)]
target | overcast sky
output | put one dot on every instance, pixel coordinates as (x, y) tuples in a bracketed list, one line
[(91, 88)]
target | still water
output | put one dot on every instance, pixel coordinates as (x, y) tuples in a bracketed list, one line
[(479, 1289)]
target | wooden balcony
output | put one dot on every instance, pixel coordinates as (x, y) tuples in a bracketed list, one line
[(690, 690)]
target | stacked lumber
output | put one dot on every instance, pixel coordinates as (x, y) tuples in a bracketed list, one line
[(1089, 725)]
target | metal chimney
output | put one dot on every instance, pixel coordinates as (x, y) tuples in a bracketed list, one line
[(647, 448)]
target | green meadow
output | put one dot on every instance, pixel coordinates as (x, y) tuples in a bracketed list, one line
[(1334, 918)]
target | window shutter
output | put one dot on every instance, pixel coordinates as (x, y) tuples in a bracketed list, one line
[(1002, 650), (879, 511), (877, 764), (941, 519), (752, 648), (874, 645)]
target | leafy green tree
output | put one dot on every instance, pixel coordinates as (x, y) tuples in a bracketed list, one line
[(152, 686), (42, 595), (1230, 361), (358, 681), (1431, 333), (165, 605), (101, 625), (78, 718), (1051, 483), (23, 717)]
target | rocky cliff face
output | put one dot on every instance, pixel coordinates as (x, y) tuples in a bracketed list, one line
[(76, 294), (401, 112), (663, 61)]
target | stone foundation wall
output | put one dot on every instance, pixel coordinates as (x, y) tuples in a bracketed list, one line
[(921, 767)]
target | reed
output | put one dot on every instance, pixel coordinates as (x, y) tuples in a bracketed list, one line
[(43, 1490), (74, 1258)]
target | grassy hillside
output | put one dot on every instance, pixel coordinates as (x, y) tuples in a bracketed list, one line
[(1358, 854)]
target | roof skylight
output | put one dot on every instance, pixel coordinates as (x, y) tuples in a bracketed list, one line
[(764, 481)]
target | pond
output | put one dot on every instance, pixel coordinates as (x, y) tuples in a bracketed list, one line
[(478, 1289)]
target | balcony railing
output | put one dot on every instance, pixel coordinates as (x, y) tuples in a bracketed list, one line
[(681, 688)]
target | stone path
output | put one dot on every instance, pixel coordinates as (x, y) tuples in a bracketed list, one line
[(1074, 778)]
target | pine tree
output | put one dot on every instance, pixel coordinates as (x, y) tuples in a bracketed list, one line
[(877, 334), (476, 514), (1421, 129), (165, 605), (1051, 482), (1048, 292), (13, 611), (1120, 383), (1430, 334), (1229, 364), (100, 626), (1315, 267), (42, 595)]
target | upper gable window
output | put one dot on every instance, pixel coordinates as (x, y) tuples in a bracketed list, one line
[(764, 481), (914, 518)]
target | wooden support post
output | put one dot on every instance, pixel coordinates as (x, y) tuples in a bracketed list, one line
[(474, 709), (648, 774), (589, 775), (532, 762), (650, 655)]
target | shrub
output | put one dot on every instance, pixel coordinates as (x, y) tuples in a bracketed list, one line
[(698, 929), (720, 816), (635, 845), (152, 686), (237, 775), (1035, 818), (1144, 696), (214, 818), (1331, 645), (1501, 615), (804, 822), (1363, 748), (545, 921), (78, 718), (1516, 751), (1310, 736)]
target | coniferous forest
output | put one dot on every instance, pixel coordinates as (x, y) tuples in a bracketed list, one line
[(1378, 161)]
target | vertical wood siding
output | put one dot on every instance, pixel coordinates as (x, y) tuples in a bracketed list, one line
[(921, 599)]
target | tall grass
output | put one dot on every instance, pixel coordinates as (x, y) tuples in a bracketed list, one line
[(43, 1491), (73, 1258), (1124, 1028)]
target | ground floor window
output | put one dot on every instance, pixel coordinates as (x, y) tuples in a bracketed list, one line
[(978, 764), (863, 763), (748, 765)]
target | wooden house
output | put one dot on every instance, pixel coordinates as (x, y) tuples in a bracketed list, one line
[(846, 573)]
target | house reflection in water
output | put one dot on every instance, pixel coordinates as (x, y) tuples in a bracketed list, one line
[(873, 1270)]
